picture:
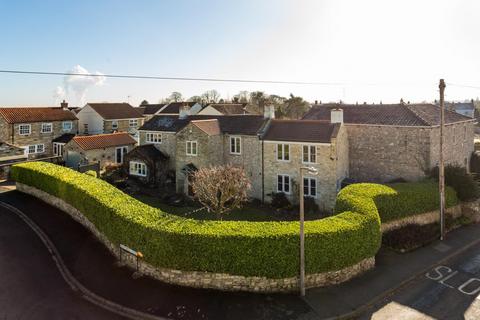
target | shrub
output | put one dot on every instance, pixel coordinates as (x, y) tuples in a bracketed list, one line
[(397, 200), (266, 249), (280, 201), (91, 173), (310, 205), (475, 162), (458, 178)]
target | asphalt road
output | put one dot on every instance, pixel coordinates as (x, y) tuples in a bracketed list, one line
[(449, 291), (30, 284), (27, 267)]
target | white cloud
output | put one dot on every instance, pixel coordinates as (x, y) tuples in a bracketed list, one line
[(76, 85)]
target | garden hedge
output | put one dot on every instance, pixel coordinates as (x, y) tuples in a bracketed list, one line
[(399, 200), (268, 249)]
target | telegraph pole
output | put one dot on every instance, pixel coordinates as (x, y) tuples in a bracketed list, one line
[(441, 165)]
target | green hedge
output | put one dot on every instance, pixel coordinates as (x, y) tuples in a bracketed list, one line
[(397, 200), (267, 249)]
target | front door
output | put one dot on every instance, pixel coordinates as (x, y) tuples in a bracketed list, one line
[(119, 153), (58, 149)]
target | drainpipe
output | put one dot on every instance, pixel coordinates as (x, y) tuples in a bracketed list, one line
[(263, 175)]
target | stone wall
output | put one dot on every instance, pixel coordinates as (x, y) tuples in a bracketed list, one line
[(123, 126), (458, 144), (209, 280), (422, 219), (167, 146), (106, 156), (384, 153)]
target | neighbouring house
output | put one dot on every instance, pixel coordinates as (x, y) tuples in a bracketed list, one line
[(147, 164), (399, 141), (464, 108), (149, 110), (9, 154), (106, 149), (180, 108), (34, 128), (96, 118), (224, 109)]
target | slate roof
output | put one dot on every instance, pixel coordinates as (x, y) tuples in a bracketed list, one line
[(35, 114), (64, 138), (316, 131), (210, 126), (148, 151), (100, 141), (151, 108), (229, 108), (113, 111), (424, 115), (234, 124), (174, 107)]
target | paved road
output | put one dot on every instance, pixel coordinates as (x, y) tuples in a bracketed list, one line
[(450, 291), (30, 284), (95, 268)]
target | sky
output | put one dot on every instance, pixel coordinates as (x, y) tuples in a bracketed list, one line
[(371, 50)]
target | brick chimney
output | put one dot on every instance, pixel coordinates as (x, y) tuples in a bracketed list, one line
[(64, 105)]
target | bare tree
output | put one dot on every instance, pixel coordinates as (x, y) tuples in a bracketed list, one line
[(175, 97), (242, 97), (221, 188), (195, 99), (211, 96)]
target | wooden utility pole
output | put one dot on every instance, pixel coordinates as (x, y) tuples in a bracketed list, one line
[(441, 165)]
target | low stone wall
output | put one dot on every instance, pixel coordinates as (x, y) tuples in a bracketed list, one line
[(209, 280), (422, 219)]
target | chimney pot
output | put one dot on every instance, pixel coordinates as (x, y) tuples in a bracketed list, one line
[(316, 101)]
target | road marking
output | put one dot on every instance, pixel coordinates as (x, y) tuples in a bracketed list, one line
[(441, 274)]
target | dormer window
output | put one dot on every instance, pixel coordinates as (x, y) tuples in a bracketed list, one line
[(24, 129)]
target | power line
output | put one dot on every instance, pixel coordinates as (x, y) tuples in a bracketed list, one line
[(463, 86), (169, 78)]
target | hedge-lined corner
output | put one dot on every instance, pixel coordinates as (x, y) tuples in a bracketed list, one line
[(396, 201), (266, 249)]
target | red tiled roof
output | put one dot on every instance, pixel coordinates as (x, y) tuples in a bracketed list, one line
[(101, 141), (113, 111), (315, 131), (423, 115), (210, 127), (35, 114)]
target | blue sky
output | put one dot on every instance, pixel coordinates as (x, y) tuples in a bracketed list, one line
[(380, 51)]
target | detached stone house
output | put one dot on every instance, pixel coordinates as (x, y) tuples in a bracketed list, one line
[(108, 149), (96, 118), (218, 109), (34, 129), (392, 141)]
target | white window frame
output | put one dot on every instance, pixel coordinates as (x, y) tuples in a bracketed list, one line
[(281, 187), (136, 169), (36, 148), (309, 153), (153, 137), (114, 124), (29, 126), (70, 124), (234, 145), (58, 146), (309, 181), (46, 125), (280, 148), (191, 143), (132, 123)]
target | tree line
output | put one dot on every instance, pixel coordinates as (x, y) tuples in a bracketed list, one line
[(291, 107)]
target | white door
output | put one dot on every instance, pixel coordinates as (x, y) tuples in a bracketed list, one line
[(119, 154), (58, 149)]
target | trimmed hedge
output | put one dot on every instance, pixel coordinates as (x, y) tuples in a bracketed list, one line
[(398, 200), (268, 249)]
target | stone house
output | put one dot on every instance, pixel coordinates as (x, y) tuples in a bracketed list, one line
[(465, 108), (399, 141), (35, 128), (289, 145), (97, 118), (106, 149), (217, 109), (147, 164)]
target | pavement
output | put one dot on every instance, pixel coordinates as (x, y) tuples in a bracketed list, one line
[(95, 268)]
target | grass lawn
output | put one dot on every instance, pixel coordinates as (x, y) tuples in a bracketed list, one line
[(247, 213)]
